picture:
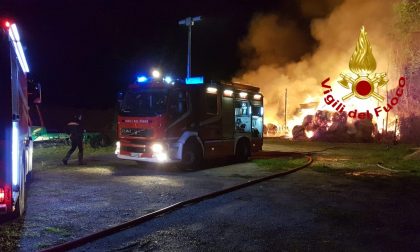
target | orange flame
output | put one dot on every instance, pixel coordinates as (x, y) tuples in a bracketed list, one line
[(309, 133)]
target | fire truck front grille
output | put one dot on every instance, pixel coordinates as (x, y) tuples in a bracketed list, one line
[(136, 141), (136, 132), (133, 149)]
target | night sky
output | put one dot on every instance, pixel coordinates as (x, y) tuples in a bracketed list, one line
[(84, 52)]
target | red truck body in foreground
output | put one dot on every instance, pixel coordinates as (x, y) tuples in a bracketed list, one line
[(15, 139)]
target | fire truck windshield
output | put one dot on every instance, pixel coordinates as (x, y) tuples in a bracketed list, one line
[(144, 103)]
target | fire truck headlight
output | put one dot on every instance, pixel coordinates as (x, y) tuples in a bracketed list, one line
[(157, 148), (155, 74), (117, 147), (1, 195), (162, 157)]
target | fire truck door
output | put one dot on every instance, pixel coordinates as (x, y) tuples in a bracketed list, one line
[(228, 122)]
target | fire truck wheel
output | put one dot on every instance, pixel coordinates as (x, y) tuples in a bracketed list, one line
[(21, 202), (242, 151), (94, 142), (191, 155), (27, 163), (105, 141), (21, 206), (29, 177)]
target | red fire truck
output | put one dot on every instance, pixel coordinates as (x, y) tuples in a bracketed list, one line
[(15, 140), (161, 120)]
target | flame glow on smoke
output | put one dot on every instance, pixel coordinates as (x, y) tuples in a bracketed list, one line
[(275, 42)]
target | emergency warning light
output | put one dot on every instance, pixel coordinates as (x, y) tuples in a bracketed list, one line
[(194, 80), (168, 79), (142, 79)]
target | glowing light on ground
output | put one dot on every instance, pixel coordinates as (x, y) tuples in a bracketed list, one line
[(104, 170), (153, 181)]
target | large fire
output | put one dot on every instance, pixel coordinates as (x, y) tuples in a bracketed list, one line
[(296, 104), (316, 121)]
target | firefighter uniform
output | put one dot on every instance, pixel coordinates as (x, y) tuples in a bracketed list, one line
[(76, 136)]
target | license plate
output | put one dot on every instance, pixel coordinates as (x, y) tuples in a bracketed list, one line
[(133, 154)]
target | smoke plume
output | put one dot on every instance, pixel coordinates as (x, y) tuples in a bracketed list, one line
[(275, 43)]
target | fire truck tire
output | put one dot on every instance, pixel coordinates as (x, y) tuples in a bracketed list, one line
[(28, 161), (94, 142), (243, 151), (192, 155), (29, 177), (21, 201), (21, 206), (105, 141)]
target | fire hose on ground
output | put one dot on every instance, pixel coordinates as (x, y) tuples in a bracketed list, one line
[(140, 220)]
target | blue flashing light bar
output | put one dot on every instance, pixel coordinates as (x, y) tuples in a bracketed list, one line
[(194, 80), (168, 79), (142, 79)]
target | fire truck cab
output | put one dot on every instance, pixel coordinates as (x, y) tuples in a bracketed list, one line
[(175, 121), (15, 140)]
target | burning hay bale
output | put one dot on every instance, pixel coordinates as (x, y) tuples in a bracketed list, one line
[(299, 133), (270, 129), (339, 130), (364, 130), (339, 124), (333, 127)]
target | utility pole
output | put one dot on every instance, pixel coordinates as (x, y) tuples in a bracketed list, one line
[(285, 111), (395, 131), (189, 22), (386, 122)]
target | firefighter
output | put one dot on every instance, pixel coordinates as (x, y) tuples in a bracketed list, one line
[(75, 130)]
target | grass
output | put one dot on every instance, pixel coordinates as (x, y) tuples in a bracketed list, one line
[(354, 156), (363, 156), (333, 156), (61, 232), (10, 233), (280, 164), (49, 157), (58, 231), (43, 245)]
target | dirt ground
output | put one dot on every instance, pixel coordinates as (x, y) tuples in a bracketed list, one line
[(353, 207)]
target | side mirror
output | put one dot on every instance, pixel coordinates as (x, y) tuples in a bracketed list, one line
[(181, 103), (120, 97)]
